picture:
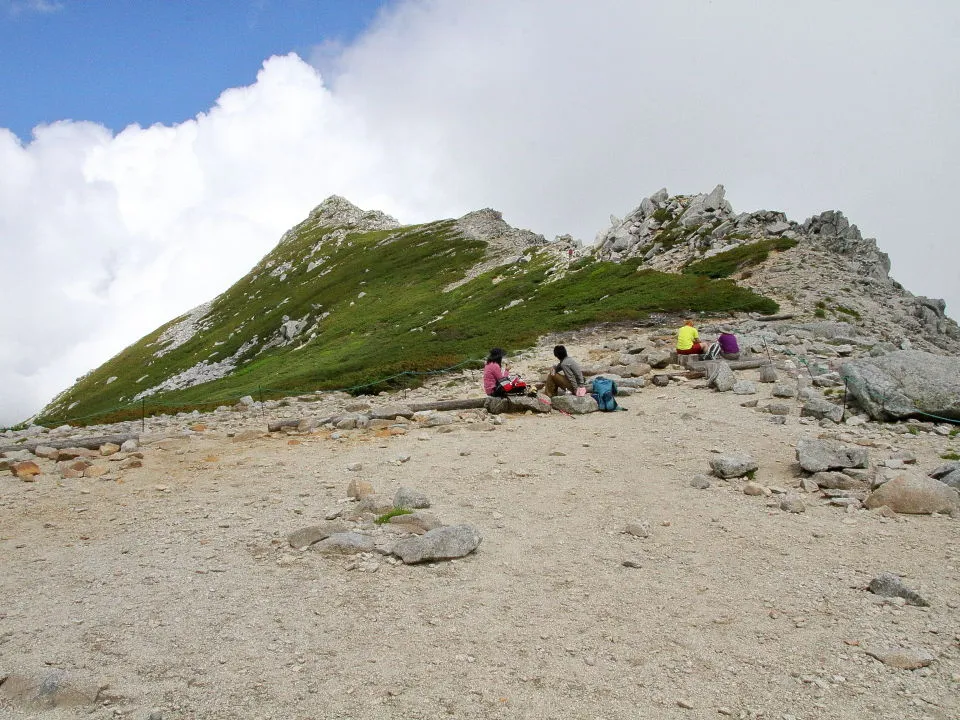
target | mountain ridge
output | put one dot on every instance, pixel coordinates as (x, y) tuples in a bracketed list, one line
[(348, 296)]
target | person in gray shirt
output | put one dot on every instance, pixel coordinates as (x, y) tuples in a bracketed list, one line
[(566, 374)]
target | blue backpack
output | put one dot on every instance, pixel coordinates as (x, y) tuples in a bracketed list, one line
[(604, 390)]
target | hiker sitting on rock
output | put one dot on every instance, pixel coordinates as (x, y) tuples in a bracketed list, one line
[(493, 372), (726, 345), (566, 374), (688, 340)]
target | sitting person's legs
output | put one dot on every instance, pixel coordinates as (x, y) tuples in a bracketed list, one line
[(556, 381)]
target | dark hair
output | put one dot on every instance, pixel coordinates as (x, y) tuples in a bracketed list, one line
[(560, 352), (496, 355)]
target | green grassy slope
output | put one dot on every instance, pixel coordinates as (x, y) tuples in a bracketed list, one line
[(388, 313)]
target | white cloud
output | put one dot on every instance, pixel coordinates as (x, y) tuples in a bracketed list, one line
[(43, 7), (557, 113)]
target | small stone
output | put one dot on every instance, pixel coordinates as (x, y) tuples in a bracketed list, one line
[(889, 585), (26, 470), (792, 504), (752, 488), (359, 489), (903, 658), (632, 564), (410, 498), (684, 704), (638, 528), (700, 482), (733, 466), (355, 467)]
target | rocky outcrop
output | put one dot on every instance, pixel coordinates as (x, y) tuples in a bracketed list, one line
[(905, 384), (337, 211), (915, 495)]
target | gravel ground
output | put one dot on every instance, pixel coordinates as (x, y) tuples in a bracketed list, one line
[(175, 592)]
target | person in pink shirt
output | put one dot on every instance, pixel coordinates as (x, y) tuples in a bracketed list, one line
[(493, 371)]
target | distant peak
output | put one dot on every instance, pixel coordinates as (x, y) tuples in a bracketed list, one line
[(337, 211)]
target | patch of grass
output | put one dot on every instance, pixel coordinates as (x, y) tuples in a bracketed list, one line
[(662, 215), (819, 312), (955, 432), (847, 311), (751, 475), (385, 518), (950, 456), (913, 430), (738, 259)]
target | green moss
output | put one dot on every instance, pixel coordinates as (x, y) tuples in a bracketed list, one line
[(385, 518), (819, 312), (847, 311), (732, 261), (950, 456)]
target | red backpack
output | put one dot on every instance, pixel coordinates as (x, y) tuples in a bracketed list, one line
[(513, 385)]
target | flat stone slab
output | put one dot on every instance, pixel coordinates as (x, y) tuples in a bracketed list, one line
[(445, 543)]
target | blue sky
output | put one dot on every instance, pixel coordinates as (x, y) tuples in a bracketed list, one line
[(118, 62)]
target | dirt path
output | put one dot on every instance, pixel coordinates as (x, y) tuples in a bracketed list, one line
[(188, 602)]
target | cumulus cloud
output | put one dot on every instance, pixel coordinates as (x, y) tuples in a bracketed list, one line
[(557, 113)]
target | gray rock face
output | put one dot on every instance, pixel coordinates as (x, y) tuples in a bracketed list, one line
[(905, 383), (575, 405), (410, 498), (304, 537), (784, 390), (768, 374), (835, 481), (347, 543), (951, 479), (721, 377), (658, 358), (732, 466), (417, 521), (819, 455), (792, 504), (821, 408), (516, 404), (391, 412), (744, 387), (889, 585), (700, 482), (444, 543), (915, 495)]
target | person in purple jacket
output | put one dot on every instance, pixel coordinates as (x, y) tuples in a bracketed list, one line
[(729, 348)]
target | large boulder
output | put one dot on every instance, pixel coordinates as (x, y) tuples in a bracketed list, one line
[(904, 384), (721, 377), (516, 404), (818, 455), (821, 408), (575, 405), (733, 466), (915, 494), (948, 474), (445, 543)]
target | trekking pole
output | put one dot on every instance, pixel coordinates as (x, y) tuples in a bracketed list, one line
[(143, 415), (767, 350)]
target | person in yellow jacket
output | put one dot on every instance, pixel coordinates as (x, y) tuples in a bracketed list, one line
[(688, 340)]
